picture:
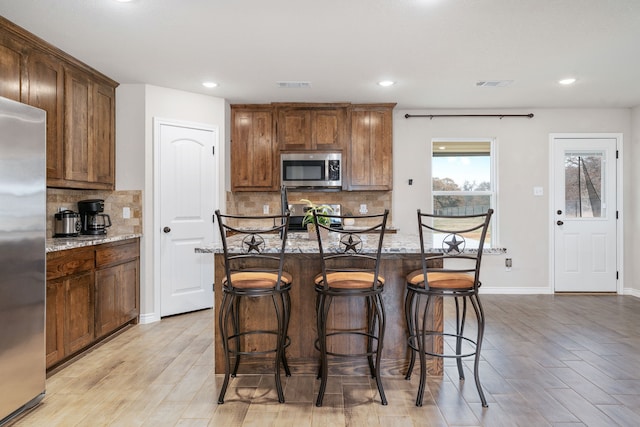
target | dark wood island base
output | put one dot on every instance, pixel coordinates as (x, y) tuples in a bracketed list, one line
[(301, 353)]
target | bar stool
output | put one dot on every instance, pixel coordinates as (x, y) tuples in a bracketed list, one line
[(449, 269), (254, 252), (350, 268)]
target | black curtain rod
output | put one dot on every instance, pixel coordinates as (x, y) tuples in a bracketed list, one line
[(431, 116)]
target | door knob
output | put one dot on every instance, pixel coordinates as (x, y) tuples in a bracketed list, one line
[(559, 222), (166, 229)]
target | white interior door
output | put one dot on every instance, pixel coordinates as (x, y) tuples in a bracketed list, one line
[(585, 214), (187, 183)]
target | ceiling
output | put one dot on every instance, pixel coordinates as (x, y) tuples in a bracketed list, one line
[(436, 50)]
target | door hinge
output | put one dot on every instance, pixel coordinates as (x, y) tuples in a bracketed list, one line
[(213, 150), (616, 214), (617, 275), (617, 154)]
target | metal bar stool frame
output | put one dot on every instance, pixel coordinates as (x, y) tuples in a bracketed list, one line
[(246, 275), (460, 282), (349, 270)]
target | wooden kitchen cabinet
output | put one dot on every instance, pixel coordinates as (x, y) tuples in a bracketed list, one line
[(117, 286), (45, 89), (311, 127), (11, 67), (370, 156), (254, 161), (70, 302), (91, 292), (80, 106), (89, 132)]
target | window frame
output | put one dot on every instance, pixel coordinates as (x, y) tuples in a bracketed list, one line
[(493, 176)]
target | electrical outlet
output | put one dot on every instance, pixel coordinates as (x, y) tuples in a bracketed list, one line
[(363, 209), (126, 212), (265, 209), (508, 263)]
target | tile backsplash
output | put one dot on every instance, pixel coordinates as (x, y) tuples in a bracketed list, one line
[(114, 202), (253, 202)]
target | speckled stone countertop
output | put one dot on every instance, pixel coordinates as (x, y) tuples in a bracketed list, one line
[(55, 244), (393, 243)]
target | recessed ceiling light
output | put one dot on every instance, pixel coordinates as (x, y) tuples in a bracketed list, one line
[(210, 84), (123, 1), (569, 81), (386, 83)]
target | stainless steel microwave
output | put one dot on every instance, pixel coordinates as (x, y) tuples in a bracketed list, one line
[(311, 170)]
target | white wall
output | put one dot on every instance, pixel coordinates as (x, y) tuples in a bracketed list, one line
[(632, 215), (523, 163), (136, 107)]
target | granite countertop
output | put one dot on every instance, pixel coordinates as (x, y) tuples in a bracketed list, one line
[(299, 242), (55, 244)]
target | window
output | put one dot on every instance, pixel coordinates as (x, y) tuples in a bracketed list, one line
[(463, 178)]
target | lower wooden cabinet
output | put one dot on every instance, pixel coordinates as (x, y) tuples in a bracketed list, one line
[(91, 292), (117, 293)]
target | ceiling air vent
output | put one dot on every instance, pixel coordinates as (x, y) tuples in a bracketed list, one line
[(494, 83), (294, 85)]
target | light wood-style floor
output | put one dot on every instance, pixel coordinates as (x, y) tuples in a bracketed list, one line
[(564, 360)]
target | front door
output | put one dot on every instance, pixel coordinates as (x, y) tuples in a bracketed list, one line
[(585, 212), (187, 183)]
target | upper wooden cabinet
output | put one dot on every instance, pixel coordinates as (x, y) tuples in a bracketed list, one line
[(370, 157), (45, 90), (315, 127), (80, 106), (89, 132), (11, 67), (254, 161)]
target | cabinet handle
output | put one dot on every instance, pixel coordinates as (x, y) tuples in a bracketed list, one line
[(166, 229)]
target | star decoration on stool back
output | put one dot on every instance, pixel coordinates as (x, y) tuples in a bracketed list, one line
[(453, 243), (350, 242), (252, 243)]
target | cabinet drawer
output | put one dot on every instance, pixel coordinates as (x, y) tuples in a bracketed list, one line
[(70, 261), (117, 252)]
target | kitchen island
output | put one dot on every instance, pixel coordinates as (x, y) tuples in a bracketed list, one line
[(401, 255)]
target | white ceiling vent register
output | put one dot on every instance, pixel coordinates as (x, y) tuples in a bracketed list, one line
[(294, 85), (494, 83)]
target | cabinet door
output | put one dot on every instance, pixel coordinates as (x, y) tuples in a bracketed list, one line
[(11, 68), (45, 90), (55, 322), (130, 291), (107, 305), (253, 164), (294, 129), (77, 107), (79, 312), (103, 136), (327, 129), (370, 154)]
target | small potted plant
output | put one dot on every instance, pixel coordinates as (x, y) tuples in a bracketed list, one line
[(309, 220)]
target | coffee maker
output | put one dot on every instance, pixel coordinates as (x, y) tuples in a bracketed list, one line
[(94, 222)]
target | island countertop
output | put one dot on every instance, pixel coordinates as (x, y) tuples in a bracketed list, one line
[(299, 242)]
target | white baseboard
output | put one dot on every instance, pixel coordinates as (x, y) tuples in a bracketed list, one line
[(515, 291), (149, 318), (632, 292)]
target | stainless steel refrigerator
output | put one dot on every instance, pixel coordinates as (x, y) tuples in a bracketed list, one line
[(22, 257)]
